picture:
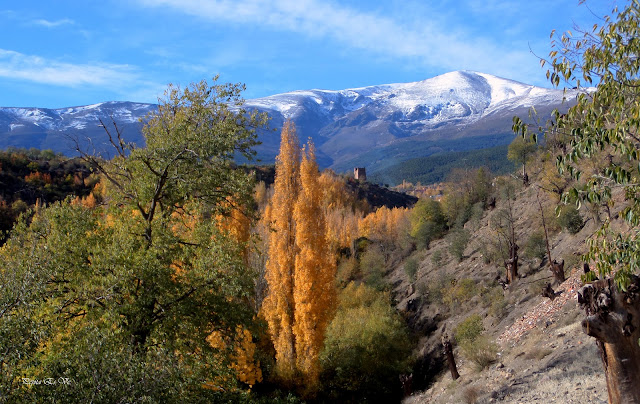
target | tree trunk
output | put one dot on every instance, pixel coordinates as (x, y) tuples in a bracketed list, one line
[(613, 318), (548, 291), (557, 268), (448, 353), (511, 264)]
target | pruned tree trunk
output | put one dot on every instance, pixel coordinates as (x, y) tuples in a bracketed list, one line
[(448, 353), (557, 269), (511, 264), (548, 291), (407, 384), (613, 318)]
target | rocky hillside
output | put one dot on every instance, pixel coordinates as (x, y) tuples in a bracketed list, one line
[(539, 351)]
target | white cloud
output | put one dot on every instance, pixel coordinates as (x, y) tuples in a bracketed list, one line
[(15, 65), (53, 24), (426, 42)]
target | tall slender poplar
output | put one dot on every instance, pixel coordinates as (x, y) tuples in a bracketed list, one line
[(315, 269), (278, 306)]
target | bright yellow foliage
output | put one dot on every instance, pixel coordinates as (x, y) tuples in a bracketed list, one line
[(315, 271), (384, 223), (278, 306), (246, 367)]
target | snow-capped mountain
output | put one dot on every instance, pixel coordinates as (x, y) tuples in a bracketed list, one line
[(56, 129), (371, 126)]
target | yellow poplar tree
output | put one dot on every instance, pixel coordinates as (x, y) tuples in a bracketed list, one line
[(278, 306), (315, 270)]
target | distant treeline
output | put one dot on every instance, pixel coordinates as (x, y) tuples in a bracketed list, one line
[(31, 175), (435, 168)]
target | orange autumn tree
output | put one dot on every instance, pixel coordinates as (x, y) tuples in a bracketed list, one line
[(278, 305), (315, 270), (300, 268)]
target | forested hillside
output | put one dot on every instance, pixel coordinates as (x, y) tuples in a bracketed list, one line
[(32, 176)]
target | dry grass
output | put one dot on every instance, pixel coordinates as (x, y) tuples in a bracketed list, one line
[(471, 394), (538, 353)]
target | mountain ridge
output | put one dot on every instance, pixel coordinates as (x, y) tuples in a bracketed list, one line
[(382, 124)]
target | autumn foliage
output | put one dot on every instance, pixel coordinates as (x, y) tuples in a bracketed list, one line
[(278, 306), (315, 269), (300, 270)]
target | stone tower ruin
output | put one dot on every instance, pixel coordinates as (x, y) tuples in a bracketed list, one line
[(360, 173)]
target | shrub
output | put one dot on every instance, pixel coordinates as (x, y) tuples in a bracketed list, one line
[(459, 292), (469, 329), (481, 351), (425, 232), (427, 222), (458, 242), (348, 271), (436, 290), (536, 246), (372, 266), (475, 346), (477, 210), (366, 348), (570, 219), (471, 394), (411, 268), (437, 258), (493, 298)]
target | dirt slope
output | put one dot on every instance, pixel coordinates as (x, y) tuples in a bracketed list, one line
[(543, 354)]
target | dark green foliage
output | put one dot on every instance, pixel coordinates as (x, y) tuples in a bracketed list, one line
[(435, 168), (437, 258), (372, 267), (366, 349), (521, 150), (569, 218), (464, 190)]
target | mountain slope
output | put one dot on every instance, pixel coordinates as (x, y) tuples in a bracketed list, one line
[(375, 126)]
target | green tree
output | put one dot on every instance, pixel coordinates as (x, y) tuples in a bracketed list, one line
[(366, 349), (603, 127), (428, 222), (124, 296)]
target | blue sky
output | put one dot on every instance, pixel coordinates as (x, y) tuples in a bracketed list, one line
[(75, 52)]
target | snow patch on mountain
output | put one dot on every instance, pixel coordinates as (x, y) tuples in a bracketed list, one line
[(460, 95)]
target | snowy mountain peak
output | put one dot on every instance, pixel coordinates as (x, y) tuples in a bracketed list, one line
[(355, 126), (471, 92)]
